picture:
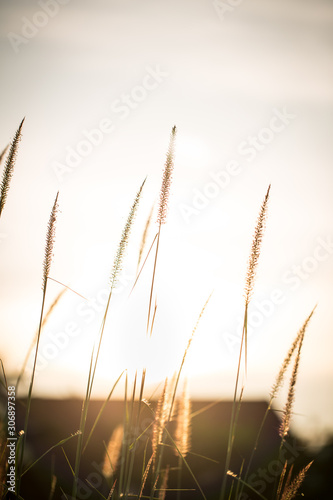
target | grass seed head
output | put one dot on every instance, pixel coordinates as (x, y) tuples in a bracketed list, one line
[(290, 491), (183, 423), (9, 166), (166, 180), (112, 454), (255, 249), (117, 264), (286, 362), (50, 239)]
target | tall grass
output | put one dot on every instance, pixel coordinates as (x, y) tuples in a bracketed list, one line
[(50, 238), (169, 428), (162, 213), (117, 265), (249, 286), (9, 166)]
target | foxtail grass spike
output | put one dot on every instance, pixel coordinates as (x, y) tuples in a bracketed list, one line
[(145, 475), (249, 285), (252, 268), (255, 249), (290, 492), (183, 422), (9, 167), (112, 490), (163, 207), (144, 236), (278, 383), (286, 362), (164, 485), (50, 238), (284, 427), (113, 451), (124, 239), (160, 419), (166, 180), (283, 473), (285, 424)]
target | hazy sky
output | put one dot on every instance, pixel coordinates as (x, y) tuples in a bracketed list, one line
[(101, 83)]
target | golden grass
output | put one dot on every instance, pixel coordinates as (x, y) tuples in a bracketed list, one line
[(183, 422), (161, 433), (166, 180), (291, 490), (9, 166), (112, 452), (50, 238), (255, 249)]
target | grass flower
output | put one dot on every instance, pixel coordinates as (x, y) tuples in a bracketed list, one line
[(9, 166)]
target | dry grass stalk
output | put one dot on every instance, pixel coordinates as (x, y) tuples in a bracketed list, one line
[(290, 492), (160, 419), (172, 387), (279, 381), (196, 326), (164, 485), (163, 414), (283, 473), (284, 428), (52, 306), (112, 490), (145, 474), (286, 362), (285, 424), (288, 480), (50, 238), (249, 285), (162, 209), (113, 451), (144, 236), (183, 423), (166, 180), (124, 239), (9, 167), (255, 249)]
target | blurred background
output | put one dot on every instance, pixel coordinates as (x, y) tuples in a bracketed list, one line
[(249, 86)]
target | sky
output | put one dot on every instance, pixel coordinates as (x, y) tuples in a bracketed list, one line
[(249, 85)]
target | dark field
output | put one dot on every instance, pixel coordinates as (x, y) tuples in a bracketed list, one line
[(54, 420)]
